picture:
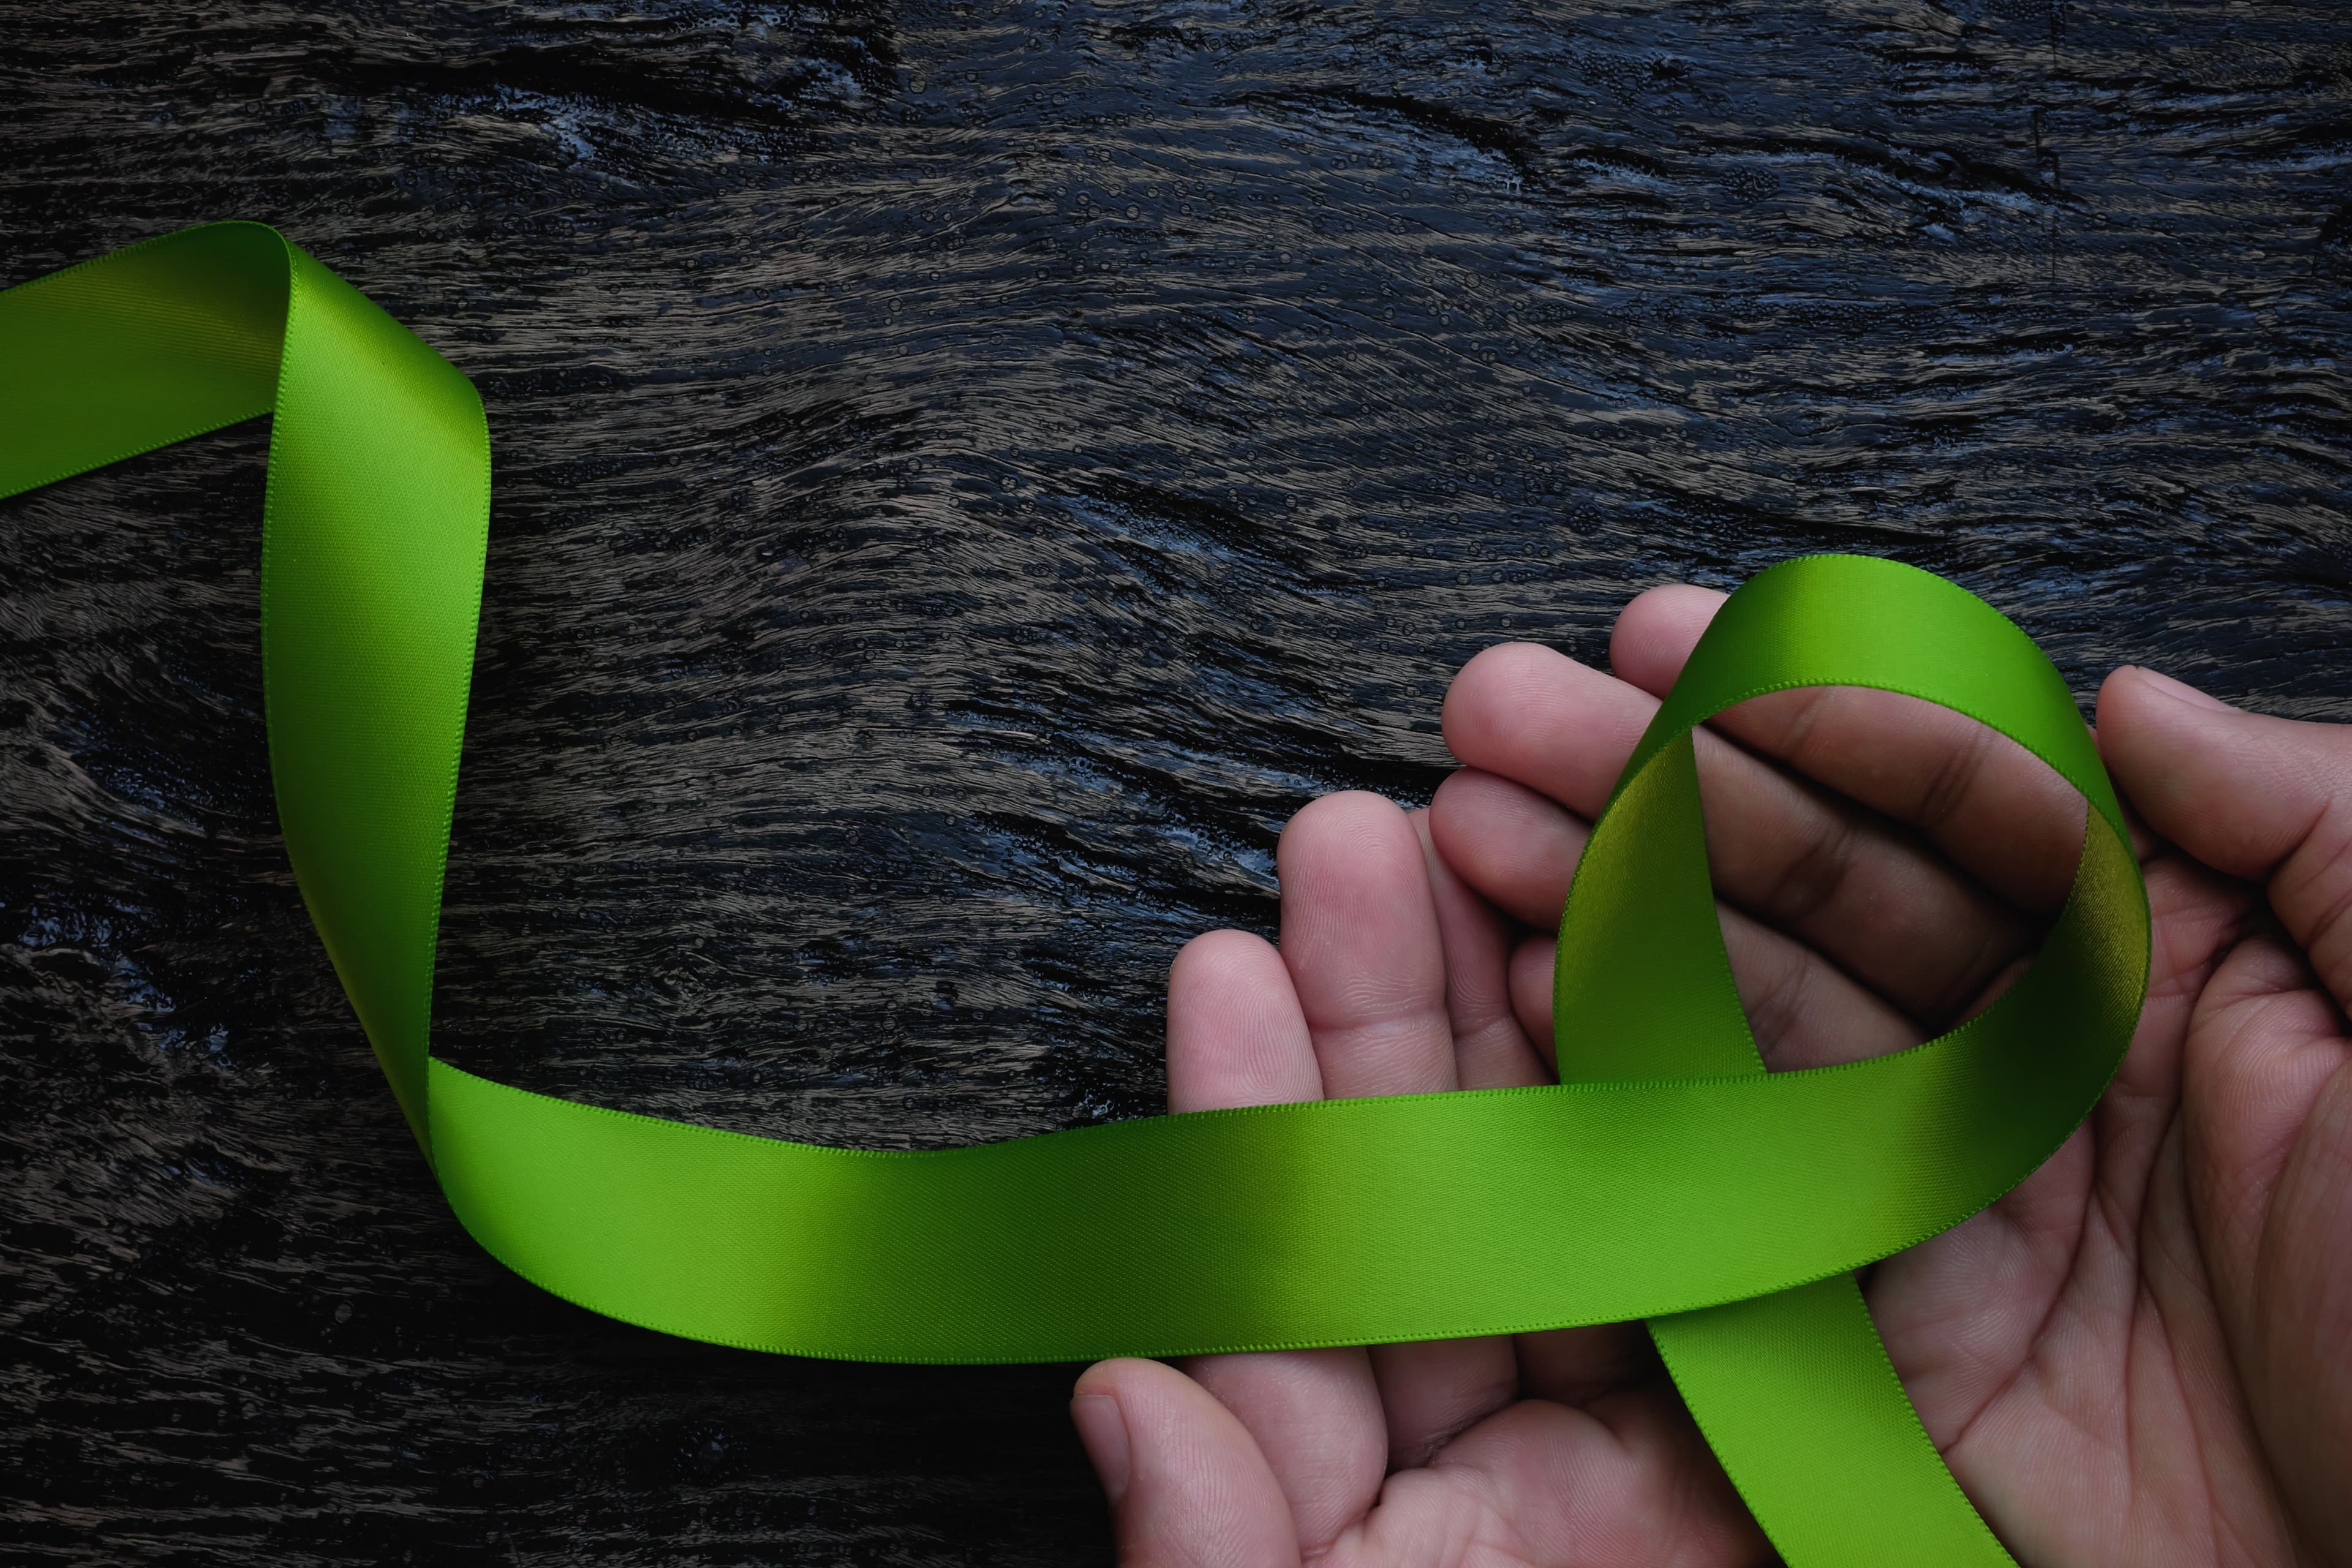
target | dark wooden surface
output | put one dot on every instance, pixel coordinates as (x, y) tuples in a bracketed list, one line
[(965, 474)]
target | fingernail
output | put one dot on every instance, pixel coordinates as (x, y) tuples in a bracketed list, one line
[(1104, 1432), (2182, 691)]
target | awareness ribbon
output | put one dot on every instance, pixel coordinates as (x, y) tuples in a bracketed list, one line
[(1668, 1176)]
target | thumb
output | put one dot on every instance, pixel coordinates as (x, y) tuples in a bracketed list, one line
[(1187, 1485), (2263, 799)]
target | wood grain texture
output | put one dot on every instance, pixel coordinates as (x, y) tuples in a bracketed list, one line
[(965, 474)]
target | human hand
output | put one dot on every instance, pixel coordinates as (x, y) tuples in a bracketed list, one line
[(2133, 1358)]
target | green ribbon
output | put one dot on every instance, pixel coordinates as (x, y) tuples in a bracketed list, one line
[(1666, 1177)]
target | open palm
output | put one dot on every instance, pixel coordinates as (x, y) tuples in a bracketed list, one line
[(2134, 1358)]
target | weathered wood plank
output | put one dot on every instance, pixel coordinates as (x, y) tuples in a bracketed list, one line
[(965, 474)]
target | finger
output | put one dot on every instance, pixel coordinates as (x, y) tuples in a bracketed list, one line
[(1533, 714), (1235, 1033), (1490, 1049), (1512, 844), (1361, 934), (1872, 897), (1801, 1013), (1519, 848), (2268, 800), (1315, 1416), (1359, 938), (1236, 1036), (1998, 812), (1434, 1391), (1532, 963), (1188, 1487)]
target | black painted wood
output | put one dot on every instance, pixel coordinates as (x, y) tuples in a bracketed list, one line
[(965, 474)]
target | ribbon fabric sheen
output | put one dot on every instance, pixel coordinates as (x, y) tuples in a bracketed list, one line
[(1666, 1177)]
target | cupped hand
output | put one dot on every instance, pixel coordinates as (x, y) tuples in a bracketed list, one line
[(2136, 1357)]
